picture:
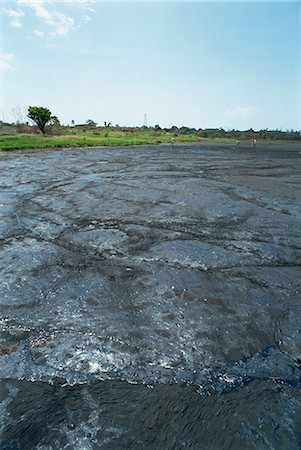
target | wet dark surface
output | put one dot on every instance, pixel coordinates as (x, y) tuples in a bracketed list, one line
[(150, 298)]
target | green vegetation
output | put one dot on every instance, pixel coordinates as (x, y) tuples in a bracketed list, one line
[(88, 138), (41, 116), (25, 136)]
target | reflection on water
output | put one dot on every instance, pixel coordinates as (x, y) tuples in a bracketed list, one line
[(118, 415)]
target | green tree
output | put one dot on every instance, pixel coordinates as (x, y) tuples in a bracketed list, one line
[(91, 123), (41, 116), (53, 126), (54, 121)]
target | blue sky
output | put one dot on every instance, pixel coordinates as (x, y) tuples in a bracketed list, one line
[(200, 64)]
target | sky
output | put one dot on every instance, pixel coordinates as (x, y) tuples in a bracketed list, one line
[(199, 64)]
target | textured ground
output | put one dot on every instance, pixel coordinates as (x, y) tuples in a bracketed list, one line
[(155, 265)]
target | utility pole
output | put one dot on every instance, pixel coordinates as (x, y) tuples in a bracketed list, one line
[(145, 121)]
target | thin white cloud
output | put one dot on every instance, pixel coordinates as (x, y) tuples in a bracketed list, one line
[(39, 33), (83, 4), (240, 112), (86, 8), (15, 16), (59, 22), (6, 60)]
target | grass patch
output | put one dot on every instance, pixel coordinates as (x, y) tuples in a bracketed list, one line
[(99, 137), (102, 137)]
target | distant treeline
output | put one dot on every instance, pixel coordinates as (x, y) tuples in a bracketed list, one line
[(213, 133), (207, 133)]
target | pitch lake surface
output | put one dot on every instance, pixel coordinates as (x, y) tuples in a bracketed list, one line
[(150, 298)]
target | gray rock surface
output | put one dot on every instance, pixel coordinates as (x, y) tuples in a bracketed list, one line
[(153, 265)]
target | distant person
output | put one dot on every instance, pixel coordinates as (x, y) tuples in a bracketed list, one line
[(254, 143), (173, 141)]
